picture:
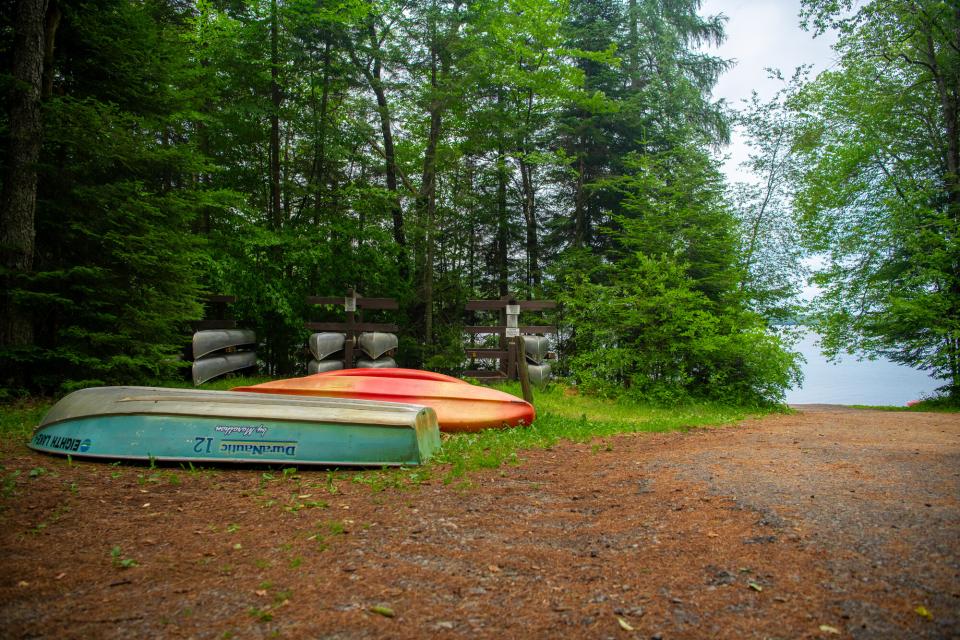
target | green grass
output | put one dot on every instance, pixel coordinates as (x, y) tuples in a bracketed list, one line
[(562, 416), (935, 405), (18, 418)]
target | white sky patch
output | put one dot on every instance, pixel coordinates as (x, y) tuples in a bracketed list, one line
[(761, 34)]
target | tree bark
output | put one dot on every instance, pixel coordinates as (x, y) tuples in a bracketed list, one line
[(373, 75), (18, 200), (428, 197), (503, 221), (275, 98), (581, 221)]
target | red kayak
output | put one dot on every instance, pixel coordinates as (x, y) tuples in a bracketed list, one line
[(460, 406)]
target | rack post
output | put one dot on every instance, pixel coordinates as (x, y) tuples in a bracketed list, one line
[(353, 324), (509, 353)]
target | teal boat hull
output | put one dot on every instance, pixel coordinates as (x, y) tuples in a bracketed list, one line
[(142, 423)]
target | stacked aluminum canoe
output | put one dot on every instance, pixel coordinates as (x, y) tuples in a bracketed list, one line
[(379, 349), (327, 351), (537, 350), (220, 351)]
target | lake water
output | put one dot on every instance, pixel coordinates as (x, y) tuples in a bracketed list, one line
[(876, 382)]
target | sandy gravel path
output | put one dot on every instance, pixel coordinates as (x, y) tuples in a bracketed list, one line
[(828, 523)]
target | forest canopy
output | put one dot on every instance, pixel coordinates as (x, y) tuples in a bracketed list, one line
[(432, 152)]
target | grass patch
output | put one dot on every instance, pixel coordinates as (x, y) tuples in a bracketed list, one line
[(933, 405), (18, 419), (563, 415)]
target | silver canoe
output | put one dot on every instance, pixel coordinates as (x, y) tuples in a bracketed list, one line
[(148, 423), (379, 363), (322, 366), (539, 374), (206, 342), (326, 344), (536, 348), (375, 343), (216, 365)]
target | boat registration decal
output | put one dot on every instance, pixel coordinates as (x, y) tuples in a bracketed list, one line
[(259, 448), (62, 442), (242, 429)]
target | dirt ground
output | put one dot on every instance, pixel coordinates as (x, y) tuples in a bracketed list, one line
[(827, 523)]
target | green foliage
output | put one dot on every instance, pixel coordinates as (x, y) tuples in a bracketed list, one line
[(431, 152), (115, 280), (18, 419), (120, 561), (770, 249), (665, 320), (879, 194), (649, 333)]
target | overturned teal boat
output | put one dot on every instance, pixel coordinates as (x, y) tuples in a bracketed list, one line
[(190, 425)]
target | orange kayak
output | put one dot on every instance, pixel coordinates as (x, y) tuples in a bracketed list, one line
[(390, 372), (460, 407)]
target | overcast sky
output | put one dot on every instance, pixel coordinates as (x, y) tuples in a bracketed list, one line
[(761, 34)]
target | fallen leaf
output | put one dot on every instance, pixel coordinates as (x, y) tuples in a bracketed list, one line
[(753, 585), (145, 505), (711, 534), (382, 610), (828, 629), (23, 583), (60, 576), (626, 626), (494, 568), (304, 496), (238, 546), (261, 592), (923, 612)]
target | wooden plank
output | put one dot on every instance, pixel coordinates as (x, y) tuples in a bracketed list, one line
[(532, 329), (537, 305), (377, 303), (538, 329), (486, 305), (485, 353), (489, 329), (325, 300), (357, 326), (485, 374), (364, 303), (498, 305)]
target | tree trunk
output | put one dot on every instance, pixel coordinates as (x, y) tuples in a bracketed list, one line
[(530, 217), (275, 96), (633, 44), (580, 215), (320, 132), (503, 222), (51, 24), (375, 80), (18, 200), (426, 200)]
